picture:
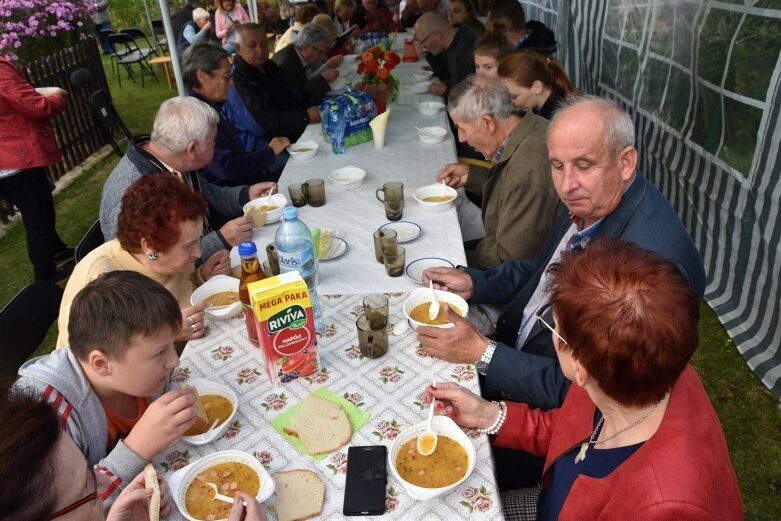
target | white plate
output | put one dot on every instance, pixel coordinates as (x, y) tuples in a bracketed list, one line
[(406, 231), (336, 248), (416, 268)]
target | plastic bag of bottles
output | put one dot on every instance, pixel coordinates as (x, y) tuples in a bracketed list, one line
[(345, 118)]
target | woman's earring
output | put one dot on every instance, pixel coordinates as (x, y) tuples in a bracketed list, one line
[(152, 255)]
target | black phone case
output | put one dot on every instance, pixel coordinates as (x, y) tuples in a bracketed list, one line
[(367, 476)]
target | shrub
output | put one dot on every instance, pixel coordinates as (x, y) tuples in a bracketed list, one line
[(31, 29)]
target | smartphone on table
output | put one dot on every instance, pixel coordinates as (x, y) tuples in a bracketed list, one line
[(367, 477)]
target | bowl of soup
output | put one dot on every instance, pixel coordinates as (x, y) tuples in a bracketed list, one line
[(265, 210), (426, 477), (417, 305), (230, 471), (302, 150), (222, 294), (431, 135), (220, 403), (435, 198)]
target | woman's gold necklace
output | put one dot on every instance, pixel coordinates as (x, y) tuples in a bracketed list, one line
[(591, 441)]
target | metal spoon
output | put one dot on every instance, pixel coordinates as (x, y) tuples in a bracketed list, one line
[(433, 310), (427, 440), (220, 497)]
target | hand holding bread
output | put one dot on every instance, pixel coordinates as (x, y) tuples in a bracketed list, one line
[(137, 501)]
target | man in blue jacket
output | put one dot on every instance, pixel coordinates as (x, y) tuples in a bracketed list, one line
[(594, 169)]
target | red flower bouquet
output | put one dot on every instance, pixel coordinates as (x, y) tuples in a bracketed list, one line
[(375, 66)]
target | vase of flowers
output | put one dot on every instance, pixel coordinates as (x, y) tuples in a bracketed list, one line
[(375, 66), (33, 29)]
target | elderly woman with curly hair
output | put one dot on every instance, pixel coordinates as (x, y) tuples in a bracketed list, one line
[(158, 234), (636, 437)]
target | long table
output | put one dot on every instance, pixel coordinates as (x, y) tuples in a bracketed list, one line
[(388, 388), (358, 213)]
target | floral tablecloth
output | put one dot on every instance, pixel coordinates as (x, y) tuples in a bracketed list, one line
[(389, 388)]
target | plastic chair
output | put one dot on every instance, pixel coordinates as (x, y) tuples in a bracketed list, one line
[(127, 52), (91, 240), (24, 323), (101, 107)]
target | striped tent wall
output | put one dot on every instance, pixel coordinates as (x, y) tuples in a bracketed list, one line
[(702, 81)]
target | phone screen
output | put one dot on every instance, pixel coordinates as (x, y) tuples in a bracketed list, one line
[(364, 491)]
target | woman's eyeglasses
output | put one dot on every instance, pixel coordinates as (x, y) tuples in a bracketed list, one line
[(544, 323)]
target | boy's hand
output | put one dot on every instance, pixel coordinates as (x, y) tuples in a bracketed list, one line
[(163, 422)]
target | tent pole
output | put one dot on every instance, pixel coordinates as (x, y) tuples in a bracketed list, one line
[(152, 28), (165, 14)]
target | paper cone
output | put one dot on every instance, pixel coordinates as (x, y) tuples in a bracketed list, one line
[(378, 126)]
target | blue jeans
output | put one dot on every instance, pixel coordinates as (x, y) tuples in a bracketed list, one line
[(103, 41)]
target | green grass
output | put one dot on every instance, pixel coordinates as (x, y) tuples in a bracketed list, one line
[(749, 413)]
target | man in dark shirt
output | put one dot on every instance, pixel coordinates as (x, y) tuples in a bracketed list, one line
[(508, 18), (451, 48), (261, 104)]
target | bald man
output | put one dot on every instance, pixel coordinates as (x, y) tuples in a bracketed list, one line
[(450, 47)]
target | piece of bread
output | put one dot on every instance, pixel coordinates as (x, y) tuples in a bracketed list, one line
[(321, 425), (202, 423), (257, 217), (150, 481), (299, 495)]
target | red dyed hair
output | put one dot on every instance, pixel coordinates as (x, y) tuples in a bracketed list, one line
[(525, 67), (153, 208), (628, 316)]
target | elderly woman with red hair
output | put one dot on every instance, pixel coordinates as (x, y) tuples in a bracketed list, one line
[(158, 234), (636, 437)]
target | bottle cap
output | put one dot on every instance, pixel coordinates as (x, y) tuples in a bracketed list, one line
[(248, 248), (290, 213)]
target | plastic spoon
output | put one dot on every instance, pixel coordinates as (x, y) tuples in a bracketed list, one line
[(433, 310), (220, 497), (427, 440)]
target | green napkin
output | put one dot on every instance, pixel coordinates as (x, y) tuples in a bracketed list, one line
[(356, 416)]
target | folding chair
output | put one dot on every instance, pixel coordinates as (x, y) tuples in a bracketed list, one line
[(24, 323), (100, 106), (91, 240), (115, 53), (140, 38), (158, 31), (120, 43)]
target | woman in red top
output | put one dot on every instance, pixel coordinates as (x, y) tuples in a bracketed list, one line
[(636, 437), (27, 147)]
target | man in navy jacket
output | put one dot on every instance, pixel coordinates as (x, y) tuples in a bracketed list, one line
[(594, 169)]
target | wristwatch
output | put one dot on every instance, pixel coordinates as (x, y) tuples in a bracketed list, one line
[(484, 361)]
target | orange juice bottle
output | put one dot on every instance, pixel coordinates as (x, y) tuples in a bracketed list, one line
[(251, 271)]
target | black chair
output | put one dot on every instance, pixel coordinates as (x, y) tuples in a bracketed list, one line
[(101, 107), (158, 31), (124, 47), (140, 38), (91, 240), (24, 323), (115, 53)]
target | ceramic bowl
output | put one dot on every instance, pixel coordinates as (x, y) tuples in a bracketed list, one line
[(179, 481), (278, 200), (206, 387), (338, 84), (435, 190), (348, 177), (420, 87), (422, 295), (214, 285), (302, 150), (431, 135), (430, 108), (442, 425), (422, 75)]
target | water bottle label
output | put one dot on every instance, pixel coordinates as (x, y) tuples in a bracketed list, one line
[(303, 261)]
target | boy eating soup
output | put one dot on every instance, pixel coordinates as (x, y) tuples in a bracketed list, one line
[(111, 386)]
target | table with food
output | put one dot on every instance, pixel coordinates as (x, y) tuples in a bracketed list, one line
[(280, 416)]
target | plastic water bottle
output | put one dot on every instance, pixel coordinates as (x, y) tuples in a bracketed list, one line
[(336, 128), (296, 253)]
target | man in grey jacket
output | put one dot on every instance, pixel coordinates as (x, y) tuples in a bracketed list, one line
[(182, 142)]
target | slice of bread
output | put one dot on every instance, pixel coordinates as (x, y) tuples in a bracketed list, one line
[(202, 423), (299, 495), (257, 217), (321, 425)]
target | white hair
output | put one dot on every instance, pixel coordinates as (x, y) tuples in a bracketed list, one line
[(310, 34), (181, 120), (199, 13), (619, 128), (476, 97)]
